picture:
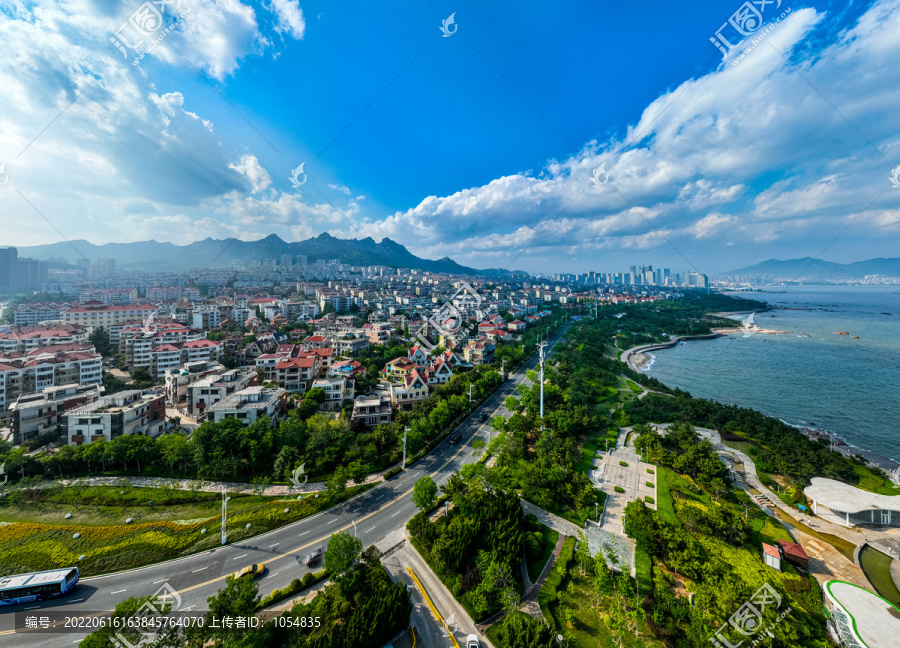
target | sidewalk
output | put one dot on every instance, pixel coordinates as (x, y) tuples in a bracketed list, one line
[(213, 486)]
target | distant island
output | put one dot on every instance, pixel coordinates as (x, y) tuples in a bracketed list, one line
[(809, 270)]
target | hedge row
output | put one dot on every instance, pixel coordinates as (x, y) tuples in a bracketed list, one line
[(297, 585), (549, 593)]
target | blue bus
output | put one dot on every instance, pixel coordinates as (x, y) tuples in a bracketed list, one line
[(36, 586)]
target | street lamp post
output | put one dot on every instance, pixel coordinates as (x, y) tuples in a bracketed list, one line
[(542, 345), (224, 514), (403, 465)]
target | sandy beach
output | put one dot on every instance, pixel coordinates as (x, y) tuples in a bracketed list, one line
[(750, 330), (640, 360)]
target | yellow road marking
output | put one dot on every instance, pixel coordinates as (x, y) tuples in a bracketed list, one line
[(437, 615)]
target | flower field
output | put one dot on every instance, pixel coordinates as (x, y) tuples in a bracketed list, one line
[(32, 547)]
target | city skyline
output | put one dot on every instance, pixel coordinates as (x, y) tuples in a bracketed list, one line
[(706, 164)]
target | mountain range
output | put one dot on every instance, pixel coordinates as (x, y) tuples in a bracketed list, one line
[(153, 255), (809, 269)]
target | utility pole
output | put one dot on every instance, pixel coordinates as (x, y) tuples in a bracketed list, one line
[(403, 465), (541, 346), (470, 392), (224, 514)]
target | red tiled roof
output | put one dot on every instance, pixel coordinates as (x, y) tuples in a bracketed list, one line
[(793, 549), (771, 551), (303, 363)]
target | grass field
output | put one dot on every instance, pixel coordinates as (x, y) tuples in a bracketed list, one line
[(535, 567), (877, 568), (766, 529), (32, 546)]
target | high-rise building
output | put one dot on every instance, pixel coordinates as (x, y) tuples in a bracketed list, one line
[(9, 259)]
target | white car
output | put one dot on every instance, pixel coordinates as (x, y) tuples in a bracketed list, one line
[(472, 642)]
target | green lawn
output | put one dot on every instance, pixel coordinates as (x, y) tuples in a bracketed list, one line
[(112, 505), (535, 567), (768, 530), (874, 483), (877, 568), (668, 480), (108, 547), (588, 450)]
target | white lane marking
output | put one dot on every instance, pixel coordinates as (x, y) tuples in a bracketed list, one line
[(188, 608), (117, 592), (367, 530), (241, 556), (333, 521), (397, 513), (76, 600), (33, 607), (159, 581), (274, 545), (198, 570), (304, 533), (276, 573)]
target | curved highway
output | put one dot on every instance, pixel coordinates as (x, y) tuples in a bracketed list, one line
[(371, 515)]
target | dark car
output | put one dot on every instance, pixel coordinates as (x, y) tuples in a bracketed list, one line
[(314, 558), (482, 417), (456, 438)]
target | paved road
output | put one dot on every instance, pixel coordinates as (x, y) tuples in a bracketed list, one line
[(371, 515)]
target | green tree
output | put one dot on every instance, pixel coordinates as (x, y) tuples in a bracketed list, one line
[(337, 483), (425, 493), (342, 552)]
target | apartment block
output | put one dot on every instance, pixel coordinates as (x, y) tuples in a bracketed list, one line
[(250, 404), (27, 338), (98, 315), (32, 373), (36, 414), (178, 380), (127, 412), (208, 391)]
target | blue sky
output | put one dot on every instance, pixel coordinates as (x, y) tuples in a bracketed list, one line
[(480, 146)]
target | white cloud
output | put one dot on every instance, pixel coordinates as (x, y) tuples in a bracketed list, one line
[(290, 17)]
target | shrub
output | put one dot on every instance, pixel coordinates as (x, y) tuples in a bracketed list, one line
[(650, 470), (649, 484), (619, 489), (647, 498), (623, 463), (391, 473), (531, 522), (308, 579), (457, 590), (549, 591), (533, 546)]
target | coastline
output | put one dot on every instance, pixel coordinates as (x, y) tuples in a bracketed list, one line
[(639, 359)]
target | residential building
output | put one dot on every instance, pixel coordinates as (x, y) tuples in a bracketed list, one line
[(207, 391), (372, 409), (127, 412), (413, 389), (250, 404), (102, 316), (41, 368), (34, 314), (296, 374), (26, 338), (337, 390), (178, 380), (36, 414)]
